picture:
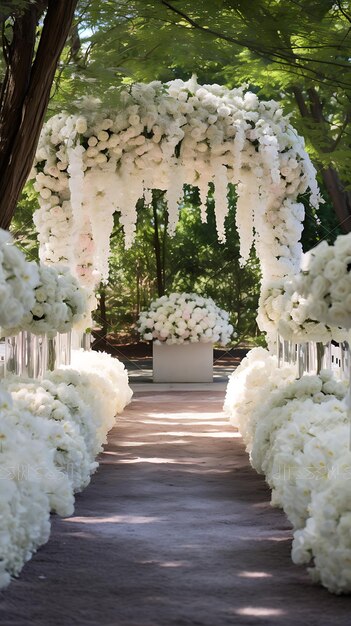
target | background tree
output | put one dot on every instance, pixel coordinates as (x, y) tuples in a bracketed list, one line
[(33, 36)]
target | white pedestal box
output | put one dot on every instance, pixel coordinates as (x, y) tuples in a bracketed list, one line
[(185, 363)]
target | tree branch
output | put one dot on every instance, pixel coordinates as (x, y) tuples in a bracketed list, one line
[(248, 43)]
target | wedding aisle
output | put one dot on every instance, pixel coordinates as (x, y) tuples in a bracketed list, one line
[(175, 529)]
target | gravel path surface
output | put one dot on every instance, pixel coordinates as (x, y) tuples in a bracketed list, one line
[(175, 529)]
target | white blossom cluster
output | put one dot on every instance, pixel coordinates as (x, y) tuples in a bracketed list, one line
[(35, 297), (299, 438), (283, 309), (163, 136), (185, 318), (326, 282), (18, 279), (258, 370), (60, 303), (50, 433)]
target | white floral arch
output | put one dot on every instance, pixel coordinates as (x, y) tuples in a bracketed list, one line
[(163, 136)]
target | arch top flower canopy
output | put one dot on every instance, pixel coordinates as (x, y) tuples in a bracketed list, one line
[(163, 136)]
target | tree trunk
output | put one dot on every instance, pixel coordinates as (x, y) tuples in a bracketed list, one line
[(157, 245), (341, 199), (164, 250), (103, 313), (26, 92), (137, 313)]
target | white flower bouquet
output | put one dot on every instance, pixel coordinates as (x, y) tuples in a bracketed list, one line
[(286, 311), (18, 278), (185, 318), (59, 303), (326, 282)]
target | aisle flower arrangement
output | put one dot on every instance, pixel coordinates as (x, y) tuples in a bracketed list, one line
[(51, 432), (93, 163), (299, 438), (185, 318)]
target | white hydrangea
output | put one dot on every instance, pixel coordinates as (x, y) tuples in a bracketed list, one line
[(325, 282), (283, 309), (60, 303)]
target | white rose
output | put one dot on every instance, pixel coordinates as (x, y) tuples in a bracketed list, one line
[(343, 245), (103, 135), (319, 287), (92, 141), (81, 125), (334, 270), (340, 289), (338, 316), (45, 193)]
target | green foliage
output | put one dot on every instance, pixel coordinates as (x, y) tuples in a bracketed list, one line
[(319, 225), (193, 261), (22, 227)]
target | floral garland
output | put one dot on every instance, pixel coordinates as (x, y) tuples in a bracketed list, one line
[(94, 163), (258, 370), (52, 430), (185, 318), (299, 438)]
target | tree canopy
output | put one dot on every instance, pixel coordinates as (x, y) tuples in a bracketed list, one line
[(287, 50)]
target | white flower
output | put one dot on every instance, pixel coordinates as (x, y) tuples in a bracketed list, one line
[(81, 125), (297, 433), (326, 283), (185, 317), (333, 270)]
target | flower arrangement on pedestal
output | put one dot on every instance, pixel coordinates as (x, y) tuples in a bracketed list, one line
[(185, 318)]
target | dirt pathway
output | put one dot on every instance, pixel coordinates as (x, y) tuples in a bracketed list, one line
[(175, 529)]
